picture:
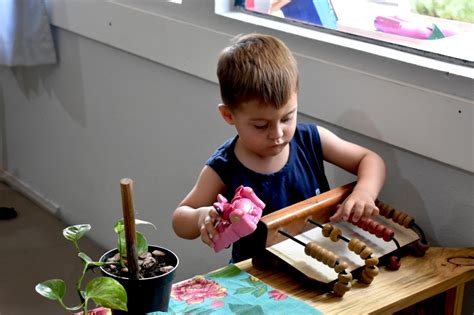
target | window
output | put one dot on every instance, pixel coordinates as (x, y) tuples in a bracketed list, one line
[(440, 29)]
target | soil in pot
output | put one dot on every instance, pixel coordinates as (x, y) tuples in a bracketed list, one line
[(151, 264), (151, 292)]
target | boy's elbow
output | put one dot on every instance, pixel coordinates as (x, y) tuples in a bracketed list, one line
[(175, 222), (180, 225)]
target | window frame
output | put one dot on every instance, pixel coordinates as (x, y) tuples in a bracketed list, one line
[(394, 51)]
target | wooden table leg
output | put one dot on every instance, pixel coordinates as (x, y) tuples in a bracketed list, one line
[(453, 300)]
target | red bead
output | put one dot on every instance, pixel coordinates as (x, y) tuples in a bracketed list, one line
[(394, 263), (388, 235), (379, 230)]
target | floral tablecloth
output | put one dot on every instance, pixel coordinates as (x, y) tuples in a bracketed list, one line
[(231, 291)]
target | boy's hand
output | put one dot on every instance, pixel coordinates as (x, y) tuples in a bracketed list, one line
[(357, 205), (206, 223)]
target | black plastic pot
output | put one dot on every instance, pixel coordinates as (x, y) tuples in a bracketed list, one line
[(149, 294)]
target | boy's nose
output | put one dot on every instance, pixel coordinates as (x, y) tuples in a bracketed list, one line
[(276, 132)]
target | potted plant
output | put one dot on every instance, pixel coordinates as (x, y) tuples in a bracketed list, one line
[(137, 277)]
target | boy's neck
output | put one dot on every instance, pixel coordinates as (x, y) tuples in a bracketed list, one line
[(261, 164)]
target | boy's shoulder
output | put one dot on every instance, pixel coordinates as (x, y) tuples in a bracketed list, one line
[(224, 152), (306, 127), (305, 130)]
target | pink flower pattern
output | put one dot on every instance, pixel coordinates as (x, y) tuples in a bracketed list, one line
[(217, 304), (197, 289), (277, 295)]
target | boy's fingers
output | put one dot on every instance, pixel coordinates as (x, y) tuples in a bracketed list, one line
[(346, 209), (337, 215), (375, 211), (357, 212), (205, 237)]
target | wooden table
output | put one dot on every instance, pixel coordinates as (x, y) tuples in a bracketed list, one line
[(441, 271)]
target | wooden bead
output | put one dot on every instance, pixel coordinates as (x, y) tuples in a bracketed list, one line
[(344, 277), (332, 260), (372, 261), (334, 236), (325, 256), (365, 278), (383, 209), (327, 228), (341, 266), (309, 248), (359, 247), (340, 289), (352, 243), (372, 271), (401, 218), (408, 222), (395, 215), (366, 252), (319, 254)]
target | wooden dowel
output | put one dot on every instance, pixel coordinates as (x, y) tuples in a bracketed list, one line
[(126, 187)]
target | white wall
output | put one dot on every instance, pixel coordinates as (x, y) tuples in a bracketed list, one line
[(72, 130)]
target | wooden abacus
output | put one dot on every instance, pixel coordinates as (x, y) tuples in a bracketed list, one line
[(380, 240)]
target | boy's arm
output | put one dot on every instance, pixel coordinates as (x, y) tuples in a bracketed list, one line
[(196, 212), (367, 165)]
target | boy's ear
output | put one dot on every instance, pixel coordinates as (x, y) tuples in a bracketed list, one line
[(226, 113)]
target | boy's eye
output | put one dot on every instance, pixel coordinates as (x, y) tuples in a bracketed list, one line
[(260, 126)]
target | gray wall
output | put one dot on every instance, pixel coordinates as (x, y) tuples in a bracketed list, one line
[(72, 130)]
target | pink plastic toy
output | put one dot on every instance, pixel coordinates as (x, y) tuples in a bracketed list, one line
[(239, 218), (409, 28)]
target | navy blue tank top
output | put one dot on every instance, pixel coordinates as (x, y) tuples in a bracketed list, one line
[(302, 177)]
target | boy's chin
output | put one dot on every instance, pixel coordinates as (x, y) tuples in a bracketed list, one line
[(275, 150)]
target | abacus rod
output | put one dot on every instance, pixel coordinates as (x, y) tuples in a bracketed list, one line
[(315, 223), (420, 231), (291, 237), (321, 226), (396, 242)]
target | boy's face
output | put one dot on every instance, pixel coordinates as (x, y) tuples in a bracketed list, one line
[(263, 129)]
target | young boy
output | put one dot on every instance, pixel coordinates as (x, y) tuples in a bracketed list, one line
[(282, 161)]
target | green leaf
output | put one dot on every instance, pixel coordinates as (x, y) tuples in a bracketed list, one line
[(260, 291), (120, 225), (245, 290), (199, 311), (142, 244), (141, 222), (226, 272), (75, 232), (246, 309), (52, 289), (90, 263), (252, 281), (86, 259), (107, 292)]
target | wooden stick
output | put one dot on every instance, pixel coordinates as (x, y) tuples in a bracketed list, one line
[(126, 187)]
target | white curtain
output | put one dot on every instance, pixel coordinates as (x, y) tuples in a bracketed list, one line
[(25, 34)]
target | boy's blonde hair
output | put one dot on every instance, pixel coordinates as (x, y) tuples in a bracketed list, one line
[(257, 67)]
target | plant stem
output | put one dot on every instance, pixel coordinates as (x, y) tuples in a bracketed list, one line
[(79, 283)]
